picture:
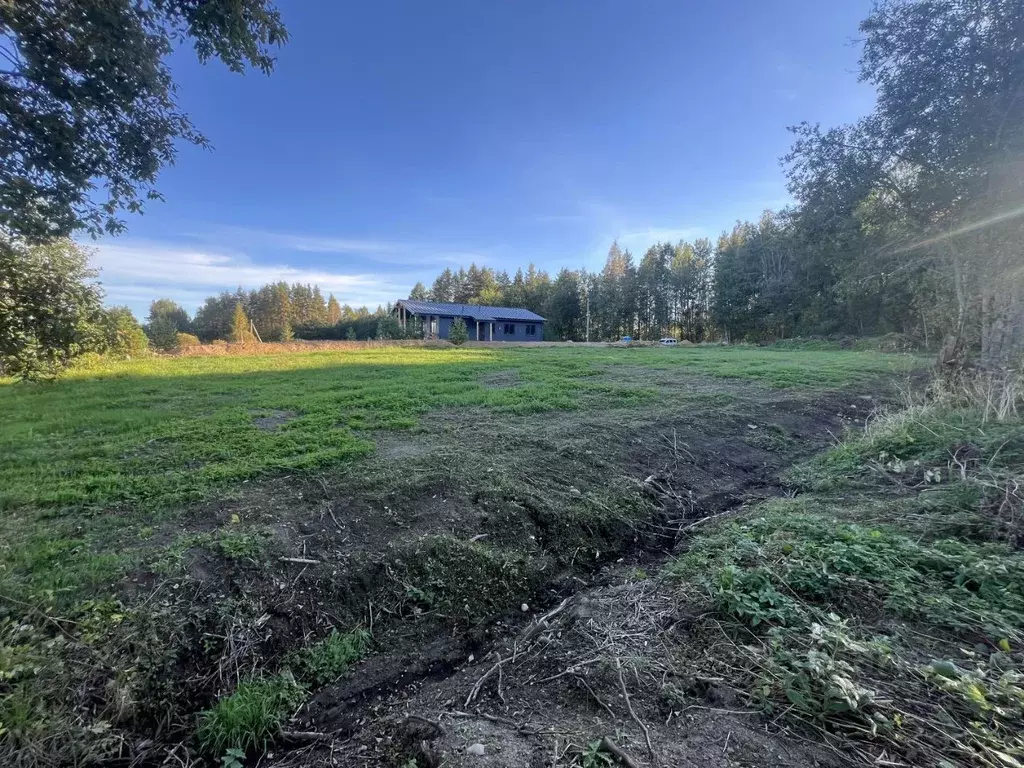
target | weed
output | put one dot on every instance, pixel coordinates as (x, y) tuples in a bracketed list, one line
[(325, 661), (239, 545), (250, 717), (594, 756), (770, 438), (843, 594)]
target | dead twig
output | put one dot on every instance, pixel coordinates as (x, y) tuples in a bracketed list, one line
[(483, 679), (299, 560), (608, 745), (703, 520), (303, 737), (632, 712), (597, 698)]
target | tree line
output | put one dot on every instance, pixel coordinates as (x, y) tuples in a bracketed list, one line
[(274, 312), (910, 220)]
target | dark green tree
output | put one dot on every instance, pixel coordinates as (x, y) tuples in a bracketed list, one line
[(170, 309), (443, 289), (458, 334), (162, 333)]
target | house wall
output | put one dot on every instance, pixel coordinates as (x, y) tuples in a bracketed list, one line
[(519, 331), (444, 326)]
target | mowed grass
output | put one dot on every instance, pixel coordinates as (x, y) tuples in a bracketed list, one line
[(162, 431), (98, 472)]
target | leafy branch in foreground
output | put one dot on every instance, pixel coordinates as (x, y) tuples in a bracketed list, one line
[(86, 96)]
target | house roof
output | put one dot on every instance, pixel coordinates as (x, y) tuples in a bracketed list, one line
[(474, 311)]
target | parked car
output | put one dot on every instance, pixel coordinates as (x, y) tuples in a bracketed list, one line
[(668, 341), (626, 339)]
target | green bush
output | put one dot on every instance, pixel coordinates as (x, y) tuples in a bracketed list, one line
[(186, 340), (163, 334), (119, 334), (49, 308), (458, 333)]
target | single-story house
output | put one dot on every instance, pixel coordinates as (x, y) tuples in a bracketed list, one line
[(482, 323)]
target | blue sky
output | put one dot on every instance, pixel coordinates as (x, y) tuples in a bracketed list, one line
[(397, 138)]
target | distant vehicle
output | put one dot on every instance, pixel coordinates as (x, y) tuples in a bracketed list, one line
[(626, 339), (668, 341)]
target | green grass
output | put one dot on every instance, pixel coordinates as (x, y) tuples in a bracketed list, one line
[(161, 431), (325, 661), (147, 436), (886, 602), (100, 472), (250, 717)]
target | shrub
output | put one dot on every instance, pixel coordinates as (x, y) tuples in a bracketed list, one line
[(389, 328), (163, 334), (186, 340), (119, 334), (458, 333), (48, 307)]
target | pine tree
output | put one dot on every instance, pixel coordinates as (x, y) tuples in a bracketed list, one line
[(333, 310), (418, 292), (458, 334), (240, 332), (443, 289)]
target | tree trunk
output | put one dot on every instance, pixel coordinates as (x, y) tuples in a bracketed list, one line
[(1002, 333)]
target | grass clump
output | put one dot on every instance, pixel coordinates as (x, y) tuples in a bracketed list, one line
[(799, 560), (886, 604), (326, 661), (251, 717)]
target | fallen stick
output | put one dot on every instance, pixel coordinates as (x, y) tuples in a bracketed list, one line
[(299, 560), (303, 737), (703, 520), (608, 745), (479, 683), (629, 706), (597, 698)]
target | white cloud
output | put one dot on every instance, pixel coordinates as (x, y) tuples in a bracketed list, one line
[(642, 239), (370, 249), (135, 272)]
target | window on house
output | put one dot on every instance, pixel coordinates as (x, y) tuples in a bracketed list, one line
[(510, 329), (531, 330)]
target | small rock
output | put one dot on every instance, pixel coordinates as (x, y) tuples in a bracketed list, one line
[(574, 491), (476, 749), (524, 608)]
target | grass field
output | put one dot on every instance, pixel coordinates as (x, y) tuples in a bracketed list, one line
[(156, 514), (165, 430)]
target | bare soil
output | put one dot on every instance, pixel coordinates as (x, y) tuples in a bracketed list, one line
[(508, 568)]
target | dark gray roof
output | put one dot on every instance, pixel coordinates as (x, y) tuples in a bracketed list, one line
[(475, 311)]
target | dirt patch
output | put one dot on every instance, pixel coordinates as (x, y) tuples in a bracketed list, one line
[(500, 380), (607, 663), (273, 419), (438, 540)]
